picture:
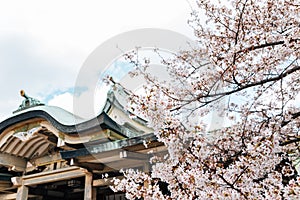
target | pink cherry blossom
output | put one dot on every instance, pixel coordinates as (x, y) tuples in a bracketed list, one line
[(248, 56)]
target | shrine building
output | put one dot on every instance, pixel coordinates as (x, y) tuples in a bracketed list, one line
[(47, 153)]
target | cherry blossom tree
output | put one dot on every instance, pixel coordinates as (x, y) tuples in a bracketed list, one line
[(247, 68)]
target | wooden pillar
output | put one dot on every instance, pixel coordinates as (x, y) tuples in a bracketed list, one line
[(88, 192), (94, 193), (147, 167), (147, 171), (22, 193)]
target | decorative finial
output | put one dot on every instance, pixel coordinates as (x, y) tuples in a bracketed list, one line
[(22, 92), (28, 102)]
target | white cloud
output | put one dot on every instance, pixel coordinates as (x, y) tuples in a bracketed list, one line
[(64, 100), (69, 25), (44, 43)]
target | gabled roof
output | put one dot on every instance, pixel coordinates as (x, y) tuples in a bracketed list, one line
[(62, 120), (37, 129), (69, 123)]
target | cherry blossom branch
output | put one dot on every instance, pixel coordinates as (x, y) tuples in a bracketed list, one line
[(232, 186), (252, 48), (279, 77)]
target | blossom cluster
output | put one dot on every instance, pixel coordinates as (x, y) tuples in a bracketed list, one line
[(248, 57)]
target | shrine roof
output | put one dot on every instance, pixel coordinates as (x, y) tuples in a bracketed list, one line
[(61, 119)]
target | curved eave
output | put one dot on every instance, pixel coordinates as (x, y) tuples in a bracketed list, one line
[(114, 100), (102, 121)]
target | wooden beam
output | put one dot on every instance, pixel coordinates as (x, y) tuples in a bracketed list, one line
[(88, 191), (53, 176), (103, 157), (89, 166), (8, 196), (13, 162), (17, 181), (45, 160), (105, 182), (13, 196), (134, 155)]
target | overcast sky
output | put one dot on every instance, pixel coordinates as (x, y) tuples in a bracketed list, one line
[(43, 44)]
